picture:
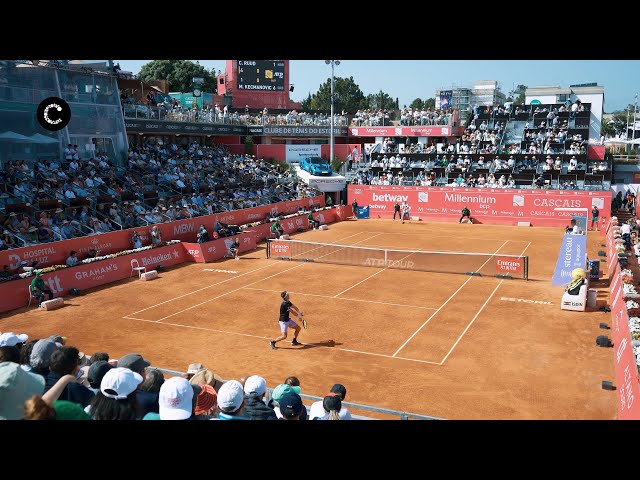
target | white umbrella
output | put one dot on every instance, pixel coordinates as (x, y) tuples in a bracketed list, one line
[(16, 137), (39, 138)]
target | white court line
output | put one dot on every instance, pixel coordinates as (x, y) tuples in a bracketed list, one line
[(267, 338), (252, 283), (471, 322), (476, 316), (344, 299), (220, 282), (227, 293), (370, 276), (441, 306)]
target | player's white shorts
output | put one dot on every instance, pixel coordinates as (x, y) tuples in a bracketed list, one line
[(285, 325)]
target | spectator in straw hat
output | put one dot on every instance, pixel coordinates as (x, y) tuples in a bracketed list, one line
[(206, 376)]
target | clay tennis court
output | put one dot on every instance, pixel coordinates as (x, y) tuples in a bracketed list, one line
[(446, 345)]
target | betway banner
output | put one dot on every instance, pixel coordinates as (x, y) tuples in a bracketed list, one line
[(573, 254), (627, 379), (443, 131), (487, 205), (295, 153), (15, 294), (56, 253)]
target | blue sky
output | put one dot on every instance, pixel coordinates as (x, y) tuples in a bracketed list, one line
[(408, 79)]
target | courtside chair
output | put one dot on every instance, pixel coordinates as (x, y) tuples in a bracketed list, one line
[(135, 267), (31, 295)]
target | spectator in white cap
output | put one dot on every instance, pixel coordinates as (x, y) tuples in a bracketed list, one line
[(255, 388), (147, 401), (231, 401), (176, 399), (16, 387), (10, 339), (116, 399)]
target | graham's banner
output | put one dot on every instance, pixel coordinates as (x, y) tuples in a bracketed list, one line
[(549, 208)]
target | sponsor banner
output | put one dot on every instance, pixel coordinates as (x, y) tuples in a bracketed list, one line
[(295, 153), (624, 360), (487, 205), (183, 128), (444, 100), (363, 212), (281, 249), (15, 293), (509, 265), (216, 249), (303, 131), (612, 255), (573, 254), (56, 253), (443, 131), (335, 183)]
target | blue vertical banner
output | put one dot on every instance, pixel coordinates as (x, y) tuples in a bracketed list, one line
[(573, 254), (363, 212)]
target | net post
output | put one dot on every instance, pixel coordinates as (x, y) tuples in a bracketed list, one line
[(385, 257), (268, 248), (526, 268)]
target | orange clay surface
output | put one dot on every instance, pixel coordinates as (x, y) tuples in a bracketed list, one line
[(443, 345)]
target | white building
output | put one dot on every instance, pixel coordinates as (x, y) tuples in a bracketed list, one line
[(586, 93)]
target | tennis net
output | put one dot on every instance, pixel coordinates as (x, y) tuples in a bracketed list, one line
[(480, 264)]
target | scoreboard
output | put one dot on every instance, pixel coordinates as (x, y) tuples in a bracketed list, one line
[(267, 75)]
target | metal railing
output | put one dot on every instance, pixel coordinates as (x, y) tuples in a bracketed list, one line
[(393, 413)]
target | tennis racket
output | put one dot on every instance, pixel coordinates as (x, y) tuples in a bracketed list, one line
[(304, 322)]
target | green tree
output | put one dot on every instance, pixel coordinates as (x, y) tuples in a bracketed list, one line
[(306, 103), (617, 125), (179, 73), (380, 100), (347, 96), (417, 104), (430, 104), (517, 95)]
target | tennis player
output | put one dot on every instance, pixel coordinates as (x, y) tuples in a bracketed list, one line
[(405, 211), (285, 321)]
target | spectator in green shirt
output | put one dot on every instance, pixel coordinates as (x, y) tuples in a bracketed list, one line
[(466, 213), (313, 223), (39, 288)]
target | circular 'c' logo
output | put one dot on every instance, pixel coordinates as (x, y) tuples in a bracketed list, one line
[(53, 114)]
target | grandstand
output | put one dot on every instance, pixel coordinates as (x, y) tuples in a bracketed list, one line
[(124, 164), (522, 148)]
